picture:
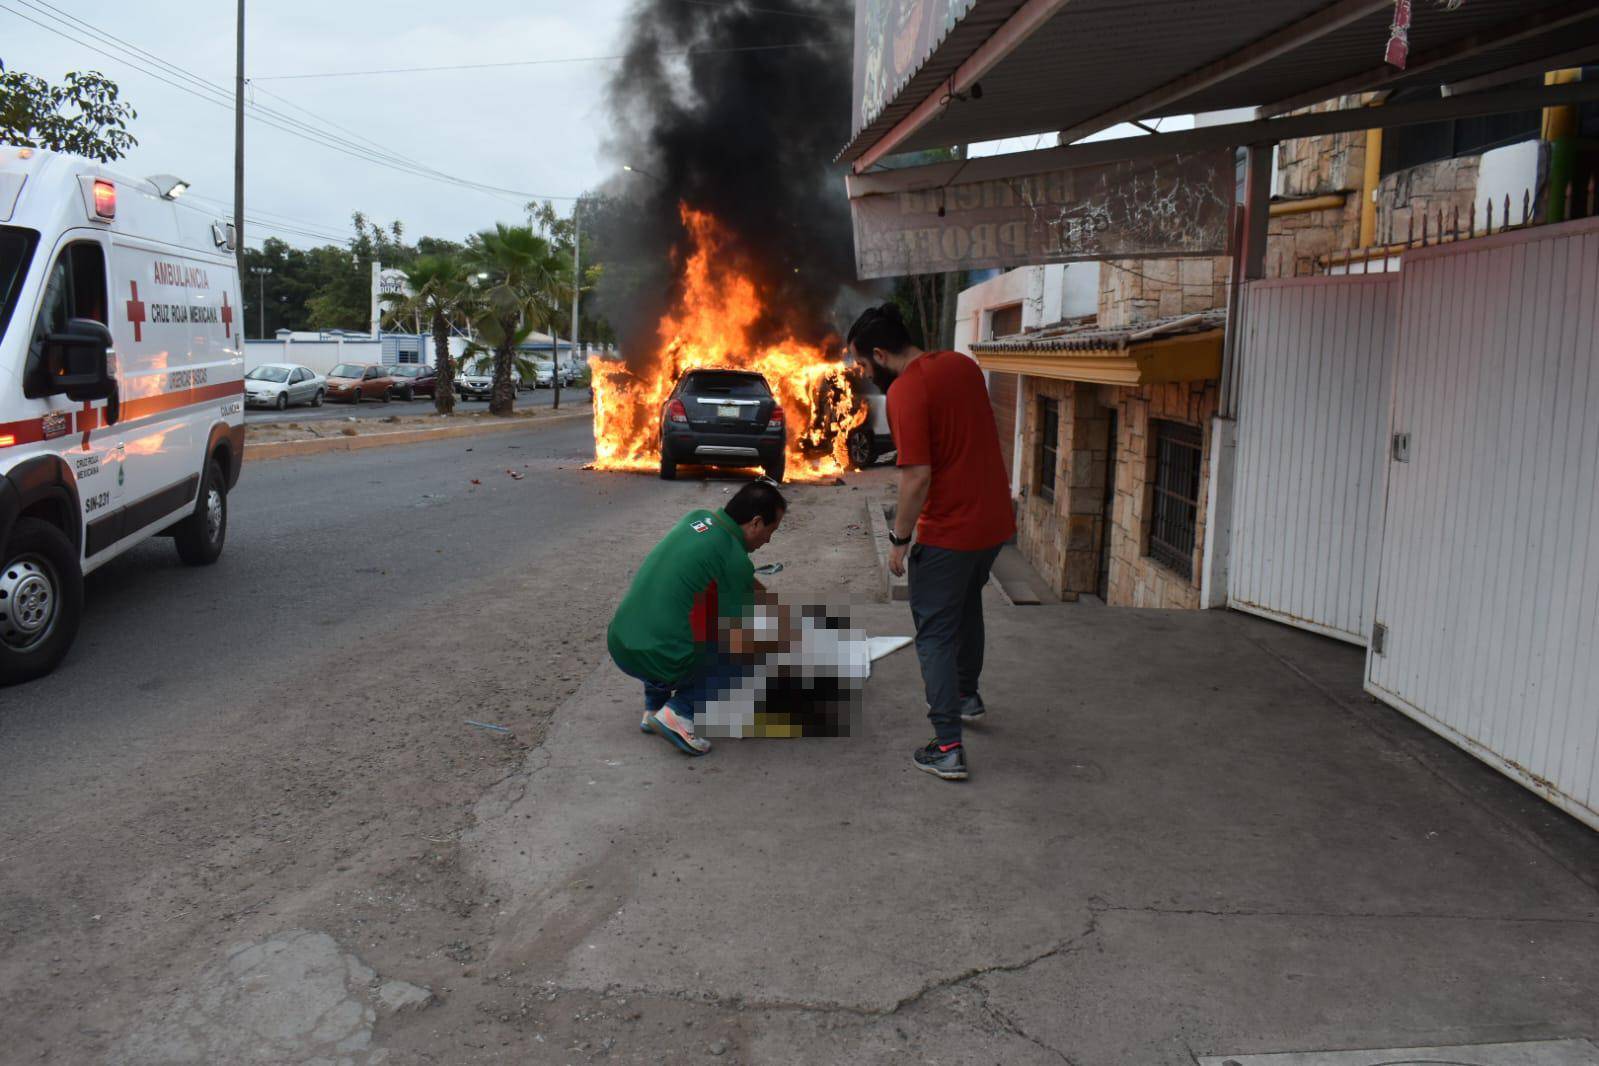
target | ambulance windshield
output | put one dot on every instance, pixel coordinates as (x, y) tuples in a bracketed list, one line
[(16, 250)]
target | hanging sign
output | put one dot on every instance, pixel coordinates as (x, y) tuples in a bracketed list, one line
[(1140, 209)]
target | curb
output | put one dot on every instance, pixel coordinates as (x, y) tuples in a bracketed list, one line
[(896, 589), (293, 449)]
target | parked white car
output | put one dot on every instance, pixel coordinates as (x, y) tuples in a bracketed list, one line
[(282, 385)]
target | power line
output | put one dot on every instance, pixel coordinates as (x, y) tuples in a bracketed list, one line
[(264, 224), (220, 97), (522, 63), (278, 215)]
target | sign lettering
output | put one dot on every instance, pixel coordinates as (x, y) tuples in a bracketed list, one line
[(1130, 210)]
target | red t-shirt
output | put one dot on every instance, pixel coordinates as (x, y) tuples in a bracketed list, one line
[(940, 415)]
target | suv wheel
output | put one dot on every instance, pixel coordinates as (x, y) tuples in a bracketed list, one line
[(200, 537), (668, 468), (41, 600), (859, 446), (775, 470)]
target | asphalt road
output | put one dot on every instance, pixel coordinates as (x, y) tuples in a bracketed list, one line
[(316, 548), (330, 411)]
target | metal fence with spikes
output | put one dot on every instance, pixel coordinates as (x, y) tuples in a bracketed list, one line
[(1441, 227)]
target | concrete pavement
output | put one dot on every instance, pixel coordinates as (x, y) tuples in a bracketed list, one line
[(1186, 834), (250, 791)]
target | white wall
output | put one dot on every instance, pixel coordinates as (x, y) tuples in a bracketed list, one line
[(1508, 171), (320, 356)]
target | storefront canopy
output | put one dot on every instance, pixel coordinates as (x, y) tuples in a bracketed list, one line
[(932, 73)]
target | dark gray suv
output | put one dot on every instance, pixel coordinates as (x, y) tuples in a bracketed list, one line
[(723, 418)]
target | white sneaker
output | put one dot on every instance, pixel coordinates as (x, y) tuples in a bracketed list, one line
[(679, 730)]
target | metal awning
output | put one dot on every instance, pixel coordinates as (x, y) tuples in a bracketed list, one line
[(1007, 68), (1180, 348)]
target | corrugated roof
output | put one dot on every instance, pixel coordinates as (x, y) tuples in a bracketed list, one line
[(1097, 55), (1091, 338)]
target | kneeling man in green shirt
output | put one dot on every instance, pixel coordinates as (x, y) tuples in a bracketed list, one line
[(684, 626)]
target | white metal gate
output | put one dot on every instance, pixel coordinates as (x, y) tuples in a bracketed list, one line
[(1488, 594), (1314, 361)]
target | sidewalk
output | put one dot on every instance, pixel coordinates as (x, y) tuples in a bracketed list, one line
[(1186, 834)]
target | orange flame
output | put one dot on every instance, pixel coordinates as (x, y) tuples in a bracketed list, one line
[(710, 327)]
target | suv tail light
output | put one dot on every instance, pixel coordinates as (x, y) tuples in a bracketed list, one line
[(676, 412), (776, 421)]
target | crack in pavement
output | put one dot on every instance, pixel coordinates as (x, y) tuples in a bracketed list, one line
[(1010, 1025), (1064, 947)]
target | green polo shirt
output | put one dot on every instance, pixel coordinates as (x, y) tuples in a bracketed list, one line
[(652, 633)]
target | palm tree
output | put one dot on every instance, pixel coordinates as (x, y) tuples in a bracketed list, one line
[(526, 286), (441, 292)]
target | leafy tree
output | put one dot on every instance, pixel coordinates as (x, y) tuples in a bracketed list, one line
[(83, 115), (443, 295), (343, 299), (526, 285), (557, 229)]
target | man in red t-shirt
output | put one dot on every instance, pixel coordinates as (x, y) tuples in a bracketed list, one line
[(954, 499)]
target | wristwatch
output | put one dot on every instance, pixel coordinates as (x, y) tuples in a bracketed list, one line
[(898, 541)]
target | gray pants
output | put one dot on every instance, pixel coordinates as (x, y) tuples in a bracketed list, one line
[(947, 606)]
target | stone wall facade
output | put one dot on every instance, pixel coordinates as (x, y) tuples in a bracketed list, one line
[(1136, 580), (1434, 191), (1064, 538), (1139, 290)]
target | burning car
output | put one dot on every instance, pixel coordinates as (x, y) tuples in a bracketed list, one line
[(723, 418)]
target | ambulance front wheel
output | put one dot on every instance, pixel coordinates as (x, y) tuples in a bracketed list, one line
[(200, 537), (41, 600)]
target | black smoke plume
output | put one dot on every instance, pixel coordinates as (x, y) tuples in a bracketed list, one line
[(743, 126)]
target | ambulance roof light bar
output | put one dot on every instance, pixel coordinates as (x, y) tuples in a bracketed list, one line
[(170, 186), (105, 199)]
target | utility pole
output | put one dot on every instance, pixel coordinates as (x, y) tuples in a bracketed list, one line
[(261, 273), (577, 275), (238, 150)]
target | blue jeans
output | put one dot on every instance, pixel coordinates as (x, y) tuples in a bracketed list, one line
[(709, 680)]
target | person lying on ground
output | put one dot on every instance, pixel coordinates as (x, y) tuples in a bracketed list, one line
[(687, 627)]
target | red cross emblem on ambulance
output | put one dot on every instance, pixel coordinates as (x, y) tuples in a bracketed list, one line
[(227, 317), (136, 311)]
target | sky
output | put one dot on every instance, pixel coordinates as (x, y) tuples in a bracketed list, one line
[(537, 129)]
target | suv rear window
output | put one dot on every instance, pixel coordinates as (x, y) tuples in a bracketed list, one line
[(724, 383)]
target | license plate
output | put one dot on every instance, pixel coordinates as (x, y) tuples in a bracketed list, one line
[(727, 412)]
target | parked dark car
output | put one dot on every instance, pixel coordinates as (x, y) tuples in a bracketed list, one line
[(723, 418), (355, 382), (412, 380)]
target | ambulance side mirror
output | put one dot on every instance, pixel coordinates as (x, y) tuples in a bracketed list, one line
[(78, 361)]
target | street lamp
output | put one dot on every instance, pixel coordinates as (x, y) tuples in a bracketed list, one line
[(262, 272), (631, 169)]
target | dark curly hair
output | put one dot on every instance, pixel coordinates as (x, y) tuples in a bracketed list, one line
[(879, 327)]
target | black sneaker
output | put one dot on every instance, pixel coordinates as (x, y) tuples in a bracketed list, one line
[(972, 708), (945, 760)]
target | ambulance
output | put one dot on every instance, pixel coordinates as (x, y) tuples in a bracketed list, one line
[(121, 387)]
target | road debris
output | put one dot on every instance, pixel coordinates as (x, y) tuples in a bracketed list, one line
[(486, 725)]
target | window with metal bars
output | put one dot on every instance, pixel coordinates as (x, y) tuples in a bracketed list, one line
[(1048, 446), (1174, 516)]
